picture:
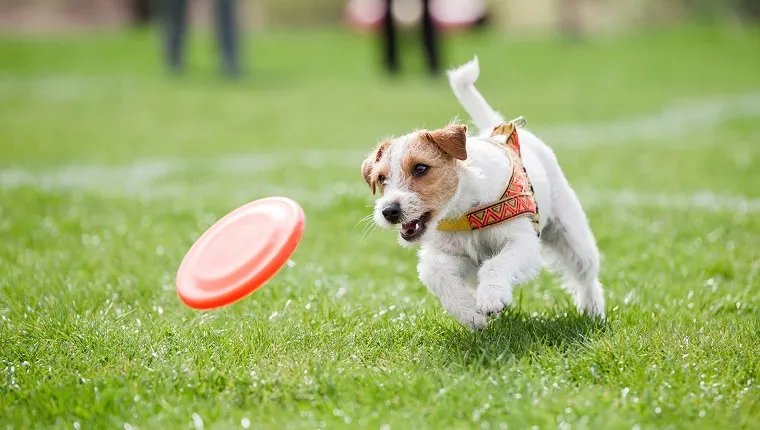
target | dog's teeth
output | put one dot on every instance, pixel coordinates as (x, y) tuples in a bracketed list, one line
[(412, 227)]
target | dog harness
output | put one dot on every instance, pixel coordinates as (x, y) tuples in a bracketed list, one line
[(518, 199)]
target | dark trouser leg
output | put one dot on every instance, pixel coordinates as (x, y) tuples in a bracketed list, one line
[(175, 14), (390, 46), (430, 39), (142, 12), (227, 36)]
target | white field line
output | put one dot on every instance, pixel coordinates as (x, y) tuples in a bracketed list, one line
[(703, 201), (652, 128), (142, 175), (61, 88)]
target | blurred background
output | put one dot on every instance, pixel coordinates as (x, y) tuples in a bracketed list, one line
[(316, 73), (186, 79), (588, 16)]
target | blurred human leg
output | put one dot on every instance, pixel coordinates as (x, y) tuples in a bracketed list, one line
[(175, 17), (430, 39), (227, 36), (389, 42)]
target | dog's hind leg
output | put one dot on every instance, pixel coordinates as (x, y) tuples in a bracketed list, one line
[(462, 81), (570, 247)]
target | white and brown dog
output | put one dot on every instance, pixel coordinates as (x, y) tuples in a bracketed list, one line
[(433, 182)]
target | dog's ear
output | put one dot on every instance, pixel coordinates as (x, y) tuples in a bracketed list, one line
[(369, 164), (367, 172), (452, 140)]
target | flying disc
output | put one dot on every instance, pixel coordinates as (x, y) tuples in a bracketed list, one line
[(240, 253)]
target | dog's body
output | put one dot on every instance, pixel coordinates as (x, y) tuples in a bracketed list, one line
[(427, 177)]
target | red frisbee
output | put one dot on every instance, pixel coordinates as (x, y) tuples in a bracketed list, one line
[(240, 253)]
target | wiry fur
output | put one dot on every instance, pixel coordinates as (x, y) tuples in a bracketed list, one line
[(497, 257)]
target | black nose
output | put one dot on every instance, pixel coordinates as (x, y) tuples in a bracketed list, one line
[(392, 212)]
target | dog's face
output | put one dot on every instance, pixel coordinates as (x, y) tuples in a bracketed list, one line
[(417, 175)]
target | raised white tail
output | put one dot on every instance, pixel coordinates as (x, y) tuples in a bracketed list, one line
[(462, 81)]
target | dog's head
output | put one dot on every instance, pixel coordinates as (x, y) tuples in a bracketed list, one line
[(416, 174)]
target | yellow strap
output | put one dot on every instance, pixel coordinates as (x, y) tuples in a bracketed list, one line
[(456, 224)]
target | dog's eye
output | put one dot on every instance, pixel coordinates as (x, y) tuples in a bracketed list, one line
[(420, 169), (381, 179)]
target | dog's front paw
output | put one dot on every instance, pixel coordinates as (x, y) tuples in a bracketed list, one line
[(491, 299)]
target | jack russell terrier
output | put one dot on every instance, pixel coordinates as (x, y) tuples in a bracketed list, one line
[(485, 210)]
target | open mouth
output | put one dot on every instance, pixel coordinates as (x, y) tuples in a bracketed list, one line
[(413, 230)]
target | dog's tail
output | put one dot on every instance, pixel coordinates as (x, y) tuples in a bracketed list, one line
[(462, 81)]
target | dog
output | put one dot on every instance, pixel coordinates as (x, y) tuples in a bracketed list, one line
[(429, 179)]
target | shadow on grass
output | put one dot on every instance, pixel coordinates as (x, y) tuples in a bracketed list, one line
[(515, 334)]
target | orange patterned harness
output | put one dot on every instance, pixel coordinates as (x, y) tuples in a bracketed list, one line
[(518, 199)]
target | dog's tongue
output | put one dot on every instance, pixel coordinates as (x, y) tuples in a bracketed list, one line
[(410, 227)]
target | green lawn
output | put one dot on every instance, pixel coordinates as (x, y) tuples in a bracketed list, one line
[(109, 170)]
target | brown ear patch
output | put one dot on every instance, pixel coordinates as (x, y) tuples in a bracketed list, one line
[(380, 151), (369, 164), (367, 174), (451, 139)]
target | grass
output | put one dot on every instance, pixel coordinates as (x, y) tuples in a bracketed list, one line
[(109, 170)]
